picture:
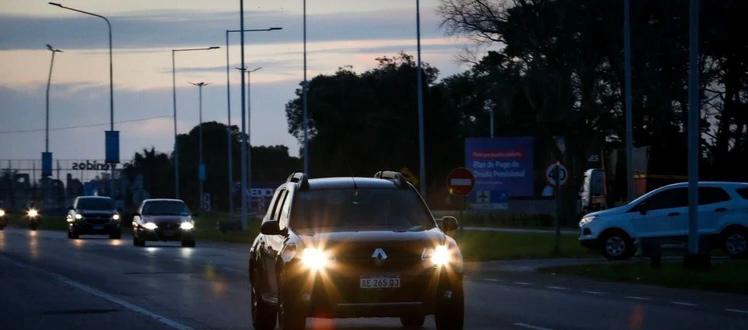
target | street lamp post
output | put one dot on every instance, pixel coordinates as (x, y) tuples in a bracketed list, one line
[(114, 158), (419, 81), (305, 91), (201, 171), (249, 129), (488, 106), (228, 110), (174, 105), (49, 83)]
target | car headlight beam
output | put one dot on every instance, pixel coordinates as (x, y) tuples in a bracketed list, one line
[(150, 226), (314, 259), (115, 216), (78, 216), (2, 213)]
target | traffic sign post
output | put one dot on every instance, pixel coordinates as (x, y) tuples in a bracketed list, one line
[(460, 182)]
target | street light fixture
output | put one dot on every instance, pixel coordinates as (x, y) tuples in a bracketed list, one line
[(201, 166), (113, 158), (47, 156), (229, 133), (174, 104)]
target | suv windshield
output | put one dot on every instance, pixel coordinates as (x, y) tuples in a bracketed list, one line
[(165, 208), (95, 204), (361, 209)]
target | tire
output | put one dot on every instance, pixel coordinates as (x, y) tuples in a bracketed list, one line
[(290, 316), (137, 242), (34, 226), (73, 233), (450, 314), (115, 234), (735, 242), (263, 316), (412, 321), (188, 244), (617, 245)]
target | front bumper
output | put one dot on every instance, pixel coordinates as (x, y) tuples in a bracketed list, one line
[(164, 235), (336, 293), (84, 227)]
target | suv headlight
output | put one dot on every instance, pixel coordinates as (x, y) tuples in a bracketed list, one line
[(32, 213), (586, 220), (2, 213), (439, 255), (115, 217), (78, 216), (315, 259), (187, 225), (150, 226)]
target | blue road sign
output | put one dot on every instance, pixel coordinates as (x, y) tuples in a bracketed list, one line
[(46, 164), (112, 146)]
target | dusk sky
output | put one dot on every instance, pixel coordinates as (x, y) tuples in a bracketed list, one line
[(144, 32)]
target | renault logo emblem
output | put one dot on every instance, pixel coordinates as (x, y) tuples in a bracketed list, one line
[(379, 256)]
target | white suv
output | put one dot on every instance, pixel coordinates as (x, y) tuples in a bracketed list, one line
[(663, 213)]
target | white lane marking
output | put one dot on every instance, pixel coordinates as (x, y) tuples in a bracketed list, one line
[(530, 326), (522, 283), (492, 280), (683, 303), (135, 308), (593, 292), (736, 310), (552, 287), (637, 298)]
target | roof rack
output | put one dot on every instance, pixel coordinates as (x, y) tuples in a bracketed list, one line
[(397, 177), (299, 178)]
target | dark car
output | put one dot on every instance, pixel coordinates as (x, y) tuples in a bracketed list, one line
[(354, 247), (163, 220), (93, 215)]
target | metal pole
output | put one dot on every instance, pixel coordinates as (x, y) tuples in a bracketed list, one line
[(628, 99), (230, 173), (200, 142), (304, 90), (694, 114), (491, 115), (421, 143), (249, 131), (174, 104), (49, 83), (244, 123)]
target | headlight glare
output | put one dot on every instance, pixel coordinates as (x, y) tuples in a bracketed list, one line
[(187, 225), (78, 216), (314, 259), (32, 213), (2, 213), (150, 226), (439, 255), (115, 216)]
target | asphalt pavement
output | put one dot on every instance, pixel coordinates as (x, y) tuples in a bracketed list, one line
[(50, 282)]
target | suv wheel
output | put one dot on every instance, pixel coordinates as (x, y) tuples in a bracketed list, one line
[(290, 317), (412, 321), (617, 246), (450, 312), (735, 242), (263, 316)]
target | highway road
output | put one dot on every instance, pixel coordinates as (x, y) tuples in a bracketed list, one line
[(50, 282)]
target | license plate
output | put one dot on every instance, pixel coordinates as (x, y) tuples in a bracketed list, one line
[(98, 227), (169, 233), (379, 281)]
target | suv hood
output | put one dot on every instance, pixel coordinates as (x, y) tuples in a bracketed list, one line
[(424, 238), (615, 210), (96, 212), (164, 218)]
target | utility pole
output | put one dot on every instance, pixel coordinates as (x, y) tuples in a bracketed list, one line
[(628, 99), (693, 257), (419, 89), (249, 131)]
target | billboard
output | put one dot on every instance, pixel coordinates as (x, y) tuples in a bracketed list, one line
[(503, 168)]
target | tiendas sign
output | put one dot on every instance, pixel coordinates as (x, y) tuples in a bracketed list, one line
[(93, 166)]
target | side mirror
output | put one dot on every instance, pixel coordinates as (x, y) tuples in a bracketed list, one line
[(448, 223), (270, 228)]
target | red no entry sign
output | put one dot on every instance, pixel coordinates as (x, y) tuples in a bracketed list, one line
[(460, 182)]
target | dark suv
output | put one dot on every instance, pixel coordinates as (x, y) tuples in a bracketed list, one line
[(93, 215), (354, 247), (163, 220)]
